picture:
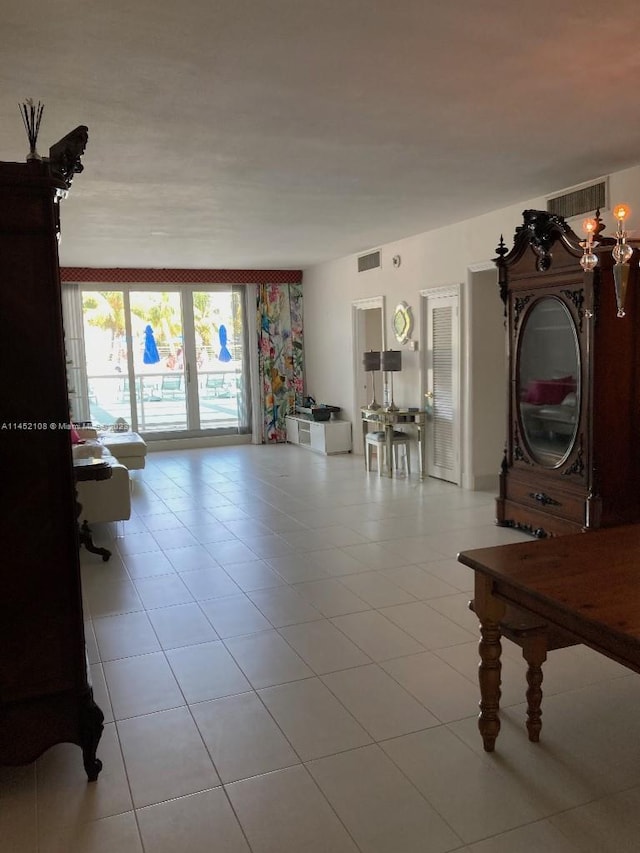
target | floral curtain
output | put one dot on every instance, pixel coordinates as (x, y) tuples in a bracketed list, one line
[(280, 356)]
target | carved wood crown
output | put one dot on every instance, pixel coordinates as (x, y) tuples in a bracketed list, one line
[(539, 231), (64, 155)]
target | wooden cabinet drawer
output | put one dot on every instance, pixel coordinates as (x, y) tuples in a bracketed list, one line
[(550, 498)]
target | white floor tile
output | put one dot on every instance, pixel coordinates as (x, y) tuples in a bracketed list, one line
[(376, 589), (378, 702), (381, 809), (234, 616), (153, 743), (141, 685), (283, 606), (474, 799), (331, 597), (117, 834), (429, 627), (242, 737), (610, 825), (190, 823), (313, 720), (267, 659), (230, 551), (211, 582), (65, 799), (420, 583), (284, 812), (299, 568), (323, 647), (532, 838), (206, 671), (18, 817), (181, 625), (176, 537), (148, 565), (255, 574), (125, 635), (112, 597), (138, 543), (440, 688), (376, 635), (163, 591), (189, 558)]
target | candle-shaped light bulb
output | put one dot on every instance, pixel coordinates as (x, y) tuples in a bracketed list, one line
[(589, 226), (620, 212)]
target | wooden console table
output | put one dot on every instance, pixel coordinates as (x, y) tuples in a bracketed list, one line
[(585, 586), (387, 421)]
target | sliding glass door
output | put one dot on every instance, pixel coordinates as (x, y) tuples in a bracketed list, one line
[(167, 360), (159, 387), (219, 357)]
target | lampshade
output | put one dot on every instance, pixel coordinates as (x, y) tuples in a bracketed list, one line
[(371, 361), (391, 360)]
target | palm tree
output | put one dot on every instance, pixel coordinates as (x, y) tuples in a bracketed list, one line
[(104, 309)]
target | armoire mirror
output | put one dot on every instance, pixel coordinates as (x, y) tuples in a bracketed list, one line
[(548, 376)]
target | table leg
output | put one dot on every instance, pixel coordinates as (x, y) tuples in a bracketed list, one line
[(490, 612), (86, 539), (388, 431), (422, 450), (365, 430), (534, 652)]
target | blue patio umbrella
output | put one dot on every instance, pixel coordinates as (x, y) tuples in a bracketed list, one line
[(151, 354), (225, 355)]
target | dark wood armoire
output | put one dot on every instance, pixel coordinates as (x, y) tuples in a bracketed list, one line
[(572, 454), (45, 694)]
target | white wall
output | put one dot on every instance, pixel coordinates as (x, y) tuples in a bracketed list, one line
[(433, 259)]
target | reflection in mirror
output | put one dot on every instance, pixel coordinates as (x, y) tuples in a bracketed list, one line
[(549, 381)]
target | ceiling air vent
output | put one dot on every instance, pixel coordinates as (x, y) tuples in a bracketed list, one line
[(369, 262), (583, 200)]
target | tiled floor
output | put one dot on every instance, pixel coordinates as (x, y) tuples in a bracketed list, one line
[(285, 658)]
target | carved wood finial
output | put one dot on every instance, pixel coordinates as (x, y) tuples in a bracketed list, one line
[(501, 251), (600, 226)]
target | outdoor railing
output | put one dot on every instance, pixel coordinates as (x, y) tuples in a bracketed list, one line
[(160, 399)]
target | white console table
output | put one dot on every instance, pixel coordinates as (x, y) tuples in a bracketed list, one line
[(326, 437)]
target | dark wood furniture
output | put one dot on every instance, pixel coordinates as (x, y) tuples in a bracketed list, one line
[(91, 469), (572, 455), (45, 695), (584, 589)]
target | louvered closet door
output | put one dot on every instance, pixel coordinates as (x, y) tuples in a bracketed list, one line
[(443, 391)]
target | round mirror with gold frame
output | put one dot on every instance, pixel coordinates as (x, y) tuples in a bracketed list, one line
[(402, 322)]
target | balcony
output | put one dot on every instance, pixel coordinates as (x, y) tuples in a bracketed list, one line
[(161, 400)]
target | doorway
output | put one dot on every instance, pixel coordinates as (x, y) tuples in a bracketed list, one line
[(441, 369), (368, 334)]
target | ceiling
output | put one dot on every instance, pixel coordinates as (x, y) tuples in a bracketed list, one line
[(283, 133)]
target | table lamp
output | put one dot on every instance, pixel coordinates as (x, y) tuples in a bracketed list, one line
[(371, 363), (391, 362)]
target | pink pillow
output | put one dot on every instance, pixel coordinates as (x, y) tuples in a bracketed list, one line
[(75, 438), (549, 392)]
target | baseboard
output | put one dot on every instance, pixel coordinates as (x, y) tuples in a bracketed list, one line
[(197, 441)]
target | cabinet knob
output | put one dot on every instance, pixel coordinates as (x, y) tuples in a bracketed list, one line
[(543, 499)]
